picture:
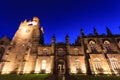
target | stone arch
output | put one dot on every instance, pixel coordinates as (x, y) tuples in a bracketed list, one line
[(45, 51), (61, 65), (114, 63), (76, 51), (92, 45), (106, 41), (97, 63), (61, 51), (107, 46), (91, 41)]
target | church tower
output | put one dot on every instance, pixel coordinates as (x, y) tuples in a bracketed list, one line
[(23, 47)]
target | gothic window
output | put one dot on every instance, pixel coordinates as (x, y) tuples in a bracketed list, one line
[(77, 63), (92, 46), (60, 51), (76, 51), (45, 51), (107, 45), (97, 64), (43, 64), (114, 63)]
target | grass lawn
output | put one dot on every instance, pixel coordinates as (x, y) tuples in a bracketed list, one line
[(101, 77), (24, 77)]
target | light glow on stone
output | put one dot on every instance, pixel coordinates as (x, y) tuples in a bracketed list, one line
[(73, 70), (43, 64)]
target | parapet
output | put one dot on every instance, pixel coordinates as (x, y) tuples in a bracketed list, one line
[(34, 22)]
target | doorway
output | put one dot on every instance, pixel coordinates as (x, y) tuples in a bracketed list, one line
[(61, 66)]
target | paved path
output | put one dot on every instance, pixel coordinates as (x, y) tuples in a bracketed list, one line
[(61, 77)]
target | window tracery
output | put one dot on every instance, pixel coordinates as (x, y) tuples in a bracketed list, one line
[(114, 63), (97, 63), (45, 51), (43, 64), (92, 46), (76, 51)]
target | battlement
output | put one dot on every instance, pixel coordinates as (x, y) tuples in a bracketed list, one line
[(34, 22)]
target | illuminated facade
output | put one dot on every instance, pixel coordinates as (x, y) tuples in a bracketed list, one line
[(27, 53)]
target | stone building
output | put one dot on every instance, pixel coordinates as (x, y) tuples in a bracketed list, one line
[(27, 53)]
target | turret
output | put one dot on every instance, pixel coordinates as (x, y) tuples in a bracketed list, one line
[(95, 32), (53, 40), (53, 43), (109, 33), (82, 32), (42, 36), (67, 39)]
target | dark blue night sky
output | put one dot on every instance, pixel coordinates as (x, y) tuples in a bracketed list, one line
[(61, 17)]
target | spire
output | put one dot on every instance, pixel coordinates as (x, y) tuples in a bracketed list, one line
[(42, 30), (75, 41), (95, 32), (82, 32), (53, 39), (66, 36), (41, 35), (25, 21), (36, 19), (109, 33), (67, 39)]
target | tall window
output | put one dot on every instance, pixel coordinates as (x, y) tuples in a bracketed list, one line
[(43, 64), (114, 63), (92, 46), (76, 51), (77, 63), (107, 45), (61, 51), (97, 64), (45, 51)]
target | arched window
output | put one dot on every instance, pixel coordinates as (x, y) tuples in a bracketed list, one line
[(45, 51), (114, 63), (97, 64), (77, 63), (107, 45), (92, 46), (43, 64), (61, 51), (76, 51)]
